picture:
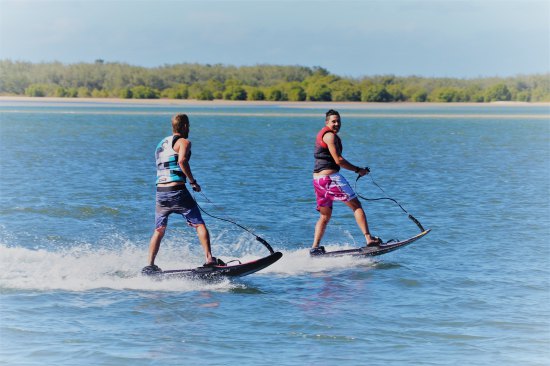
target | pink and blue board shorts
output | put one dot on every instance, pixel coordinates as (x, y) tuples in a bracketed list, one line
[(178, 200), (334, 187)]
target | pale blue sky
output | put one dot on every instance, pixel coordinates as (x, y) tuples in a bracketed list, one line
[(457, 38)]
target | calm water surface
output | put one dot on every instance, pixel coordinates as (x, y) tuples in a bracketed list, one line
[(76, 214)]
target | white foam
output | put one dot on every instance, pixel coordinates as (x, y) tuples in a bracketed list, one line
[(299, 262), (86, 267), (82, 269)]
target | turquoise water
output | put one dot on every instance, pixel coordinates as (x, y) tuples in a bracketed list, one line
[(76, 214)]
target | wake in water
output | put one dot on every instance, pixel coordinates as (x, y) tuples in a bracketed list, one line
[(85, 268), (299, 262)]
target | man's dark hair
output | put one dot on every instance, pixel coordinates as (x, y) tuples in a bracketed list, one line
[(331, 112)]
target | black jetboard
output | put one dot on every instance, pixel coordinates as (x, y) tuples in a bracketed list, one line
[(373, 251), (217, 272)]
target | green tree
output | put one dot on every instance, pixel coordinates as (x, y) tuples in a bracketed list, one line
[(415, 93), (125, 93), (376, 93), (396, 92), (234, 90), (540, 94), (60, 92), (420, 95), (216, 87), (83, 92), (296, 83), (319, 93), (296, 93), (473, 93), (200, 92), (38, 90), (254, 93), (144, 92), (523, 96), (180, 91), (96, 93), (345, 91), (447, 95), (72, 92), (205, 95), (235, 93), (15, 77), (276, 94), (498, 92)]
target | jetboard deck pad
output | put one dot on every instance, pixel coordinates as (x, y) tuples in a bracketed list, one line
[(217, 272), (373, 251)]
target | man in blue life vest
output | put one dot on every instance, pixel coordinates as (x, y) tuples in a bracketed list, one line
[(172, 157), (331, 186)]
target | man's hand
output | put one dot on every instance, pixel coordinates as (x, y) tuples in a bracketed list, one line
[(363, 171), (196, 186)]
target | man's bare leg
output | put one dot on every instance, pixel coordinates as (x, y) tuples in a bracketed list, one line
[(361, 219), (204, 238), (321, 225), (154, 244)]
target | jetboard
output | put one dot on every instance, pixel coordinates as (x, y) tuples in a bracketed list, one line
[(373, 251), (217, 271)]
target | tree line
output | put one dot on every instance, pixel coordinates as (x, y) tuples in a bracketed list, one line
[(261, 82)]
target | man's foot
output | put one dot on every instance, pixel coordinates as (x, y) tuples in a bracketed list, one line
[(151, 269), (214, 262), (317, 251), (376, 242)]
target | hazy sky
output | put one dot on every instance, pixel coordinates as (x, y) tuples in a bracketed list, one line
[(456, 38)]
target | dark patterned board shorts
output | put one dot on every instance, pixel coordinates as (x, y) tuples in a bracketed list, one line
[(177, 200)]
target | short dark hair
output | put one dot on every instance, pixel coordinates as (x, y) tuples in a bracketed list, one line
[(178, 121), (331, 112)]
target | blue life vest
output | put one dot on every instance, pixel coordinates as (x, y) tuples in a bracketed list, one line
[(168, 169)]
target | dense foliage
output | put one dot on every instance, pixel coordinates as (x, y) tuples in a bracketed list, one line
[(261, 82)]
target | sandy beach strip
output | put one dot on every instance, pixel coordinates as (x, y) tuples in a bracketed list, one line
[(364, 107)]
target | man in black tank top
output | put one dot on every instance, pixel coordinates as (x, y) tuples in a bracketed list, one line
[(331, 186)]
